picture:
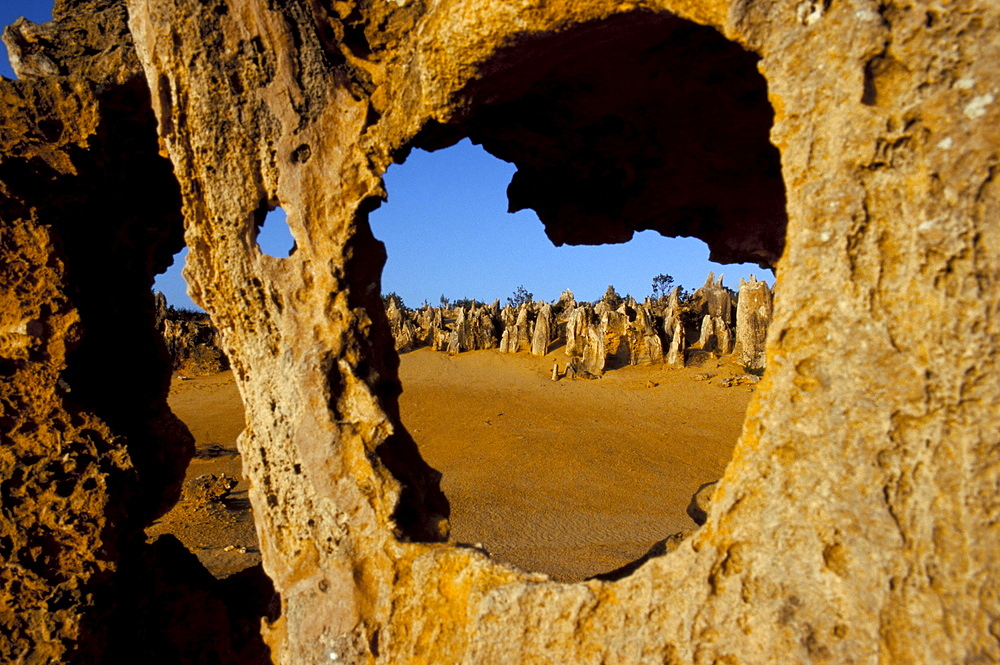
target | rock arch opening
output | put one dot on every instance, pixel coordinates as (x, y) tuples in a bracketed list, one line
[(570, 478), (638, 122)]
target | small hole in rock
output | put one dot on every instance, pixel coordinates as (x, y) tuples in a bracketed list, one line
[(274, 237)]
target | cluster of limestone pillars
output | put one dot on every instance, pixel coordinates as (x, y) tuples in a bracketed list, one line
[(603, 334)]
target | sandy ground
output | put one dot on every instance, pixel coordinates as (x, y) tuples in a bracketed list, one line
[(221, 534), (570, 478)]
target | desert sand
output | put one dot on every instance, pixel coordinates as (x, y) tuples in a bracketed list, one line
[(571, 478)]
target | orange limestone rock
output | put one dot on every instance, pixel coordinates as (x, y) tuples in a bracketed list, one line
[(852, 144)]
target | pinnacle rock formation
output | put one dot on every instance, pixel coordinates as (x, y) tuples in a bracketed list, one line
[(523, 330), (576, 330), (190, 338), (403, 331), (714, 300), (483, 327), (707, 341), (675, 354), (614, 329), (853, 145), (542, 334), (595, 354), (645, 344), (753, 316), (193, 347), (723, 336)]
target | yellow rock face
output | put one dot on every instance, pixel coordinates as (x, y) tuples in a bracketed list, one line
[(853, 145)]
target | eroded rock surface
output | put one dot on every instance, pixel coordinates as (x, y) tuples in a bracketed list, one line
[(89, 451), (858, 519)]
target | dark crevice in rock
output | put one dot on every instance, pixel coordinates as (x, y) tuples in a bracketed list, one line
[(120, 224), (171, 610)]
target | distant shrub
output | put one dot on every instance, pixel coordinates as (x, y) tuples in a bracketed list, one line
[(394, 297), (662, 284), (186, 314), (521, 296), (612, 298)]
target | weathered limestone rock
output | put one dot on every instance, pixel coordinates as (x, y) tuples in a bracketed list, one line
[(614, 330), (672, 312), (505, 342), (542, 334), (753, 316), (645, 345), (483, 328), (716, 335), (425, 320), (646, 350), (403, 331), (89, 452), (678, 342), (858, 520), (461, 337), (576, 331), (209, 487), (595, 354), (566, 303), (707, 341), (521, 336), (723, 336), (454, 343), (701, 503), (442, 340), (191, 343), (714, 300)]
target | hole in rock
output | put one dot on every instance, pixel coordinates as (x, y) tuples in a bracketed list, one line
[(274, 237), (571, 477), (213, 518)]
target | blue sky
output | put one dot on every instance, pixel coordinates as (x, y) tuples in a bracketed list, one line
[(447, 232)]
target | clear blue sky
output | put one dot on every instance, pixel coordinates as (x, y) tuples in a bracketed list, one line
[(447, 232)]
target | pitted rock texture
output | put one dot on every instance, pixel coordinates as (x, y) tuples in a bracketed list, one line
[(858, 519), (89, 451)]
